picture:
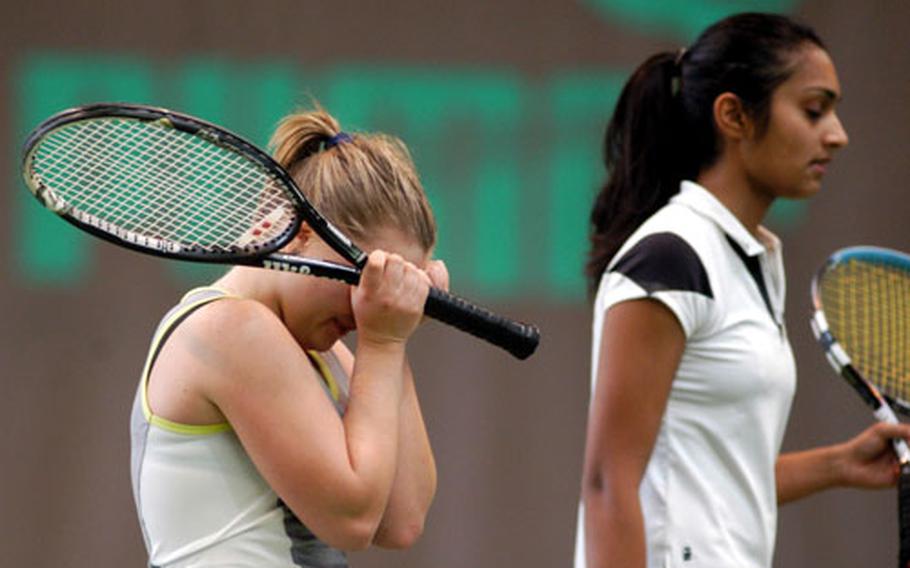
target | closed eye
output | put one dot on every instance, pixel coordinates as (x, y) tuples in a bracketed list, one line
[(813, 114)]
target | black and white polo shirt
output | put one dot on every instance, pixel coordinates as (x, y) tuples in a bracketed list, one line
[(708, 494)]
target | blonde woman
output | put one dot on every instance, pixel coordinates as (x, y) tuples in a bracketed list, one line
[(258, 437)]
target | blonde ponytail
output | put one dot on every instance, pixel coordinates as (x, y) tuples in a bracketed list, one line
[(360, 182), (300, 135)]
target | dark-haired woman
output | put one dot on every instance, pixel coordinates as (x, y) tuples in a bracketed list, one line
[(693, 374)]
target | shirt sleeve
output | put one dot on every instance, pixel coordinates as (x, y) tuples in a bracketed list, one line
[(663, 267)]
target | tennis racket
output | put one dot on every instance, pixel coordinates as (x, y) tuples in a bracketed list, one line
[(862, 321), (170, 185)]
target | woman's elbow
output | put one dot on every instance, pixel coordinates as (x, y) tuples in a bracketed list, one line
[(402, 536), (360, 534), (353, 534), (602, 485), (592, 481)]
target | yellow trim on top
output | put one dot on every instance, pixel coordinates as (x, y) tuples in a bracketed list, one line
[(326, 373), (227, 294), (164, 423), (189, 429)]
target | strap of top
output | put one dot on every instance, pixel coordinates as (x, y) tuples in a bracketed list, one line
[(335, 380), (192, 301)]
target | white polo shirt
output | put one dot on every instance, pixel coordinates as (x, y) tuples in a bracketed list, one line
[(708, 494)]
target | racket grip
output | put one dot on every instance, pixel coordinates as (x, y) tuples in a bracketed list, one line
[(903, 506), (517, 338)]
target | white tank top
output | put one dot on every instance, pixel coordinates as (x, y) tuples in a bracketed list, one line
[(201, 502)]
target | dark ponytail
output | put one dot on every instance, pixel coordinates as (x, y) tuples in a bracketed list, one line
[(662, 130), (640, 152)]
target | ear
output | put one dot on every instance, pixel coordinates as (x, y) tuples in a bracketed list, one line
[(304, 235), (730, 116)]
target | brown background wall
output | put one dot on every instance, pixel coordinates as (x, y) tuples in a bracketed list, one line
[(508, 435)]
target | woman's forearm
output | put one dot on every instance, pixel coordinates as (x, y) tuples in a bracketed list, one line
[(415, 479), (371, 425), (800, 474), (614, 527)]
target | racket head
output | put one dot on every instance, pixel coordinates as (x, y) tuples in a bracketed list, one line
[(168, 184), (63, 156), (862, 300)]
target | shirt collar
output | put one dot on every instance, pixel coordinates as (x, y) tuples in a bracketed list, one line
[(703, 202)]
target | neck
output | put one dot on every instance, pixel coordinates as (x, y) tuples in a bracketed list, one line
[(254, 284), (729, 182)]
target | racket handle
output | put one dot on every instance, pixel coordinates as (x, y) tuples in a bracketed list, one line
[(517, 338), (903, 506)]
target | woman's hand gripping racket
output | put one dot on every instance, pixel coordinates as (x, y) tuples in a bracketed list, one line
[(171, 185), (862, 321)]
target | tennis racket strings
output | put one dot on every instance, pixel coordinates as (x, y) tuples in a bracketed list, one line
[(867, 306), (162, 187)]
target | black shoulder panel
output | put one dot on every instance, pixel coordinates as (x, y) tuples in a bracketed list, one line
[(753, 265), (664, 261)]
